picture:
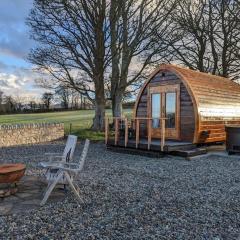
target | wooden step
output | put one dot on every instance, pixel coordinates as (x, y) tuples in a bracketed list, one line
[(190, 153), (185, 147), (134, 151)]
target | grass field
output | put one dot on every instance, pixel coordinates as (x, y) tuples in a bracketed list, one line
[(80, 120)]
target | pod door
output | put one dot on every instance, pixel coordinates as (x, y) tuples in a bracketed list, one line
[(164, 101)]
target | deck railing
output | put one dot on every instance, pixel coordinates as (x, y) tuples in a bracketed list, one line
[(134, 123)]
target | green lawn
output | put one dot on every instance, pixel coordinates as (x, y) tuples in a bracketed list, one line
[(80, 120)]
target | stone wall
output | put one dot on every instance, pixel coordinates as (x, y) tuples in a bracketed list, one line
[(20, 134)]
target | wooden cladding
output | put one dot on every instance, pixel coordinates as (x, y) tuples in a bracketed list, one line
[(185, 120), (207, 103)]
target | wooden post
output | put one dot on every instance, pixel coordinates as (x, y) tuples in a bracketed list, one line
[(163, 133), (70, 128), (84, 99), (137, 132), (149, 123), (126, 132), (81, 101), (106, 130), (116, 131)]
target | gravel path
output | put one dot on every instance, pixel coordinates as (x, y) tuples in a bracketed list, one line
[(133, 197)]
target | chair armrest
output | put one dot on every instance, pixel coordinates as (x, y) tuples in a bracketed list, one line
[(71, 167), (51, 153), (49, 164), (70, 164), (56, 156), (73, 170), (53, 157)]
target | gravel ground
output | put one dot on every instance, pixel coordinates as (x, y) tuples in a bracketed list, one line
[(133, 197)]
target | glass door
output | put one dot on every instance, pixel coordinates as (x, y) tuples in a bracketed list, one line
[(165, 103), (156, 109), (171, 109)]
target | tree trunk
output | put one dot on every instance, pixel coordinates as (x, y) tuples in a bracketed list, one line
[(98, 120), (99, 69), (117, 105)]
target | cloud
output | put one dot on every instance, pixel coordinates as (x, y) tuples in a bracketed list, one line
[(14, 11), (8, 81), (17, 44), (14, 35), (4, 84), (15, 78), (20, 82)]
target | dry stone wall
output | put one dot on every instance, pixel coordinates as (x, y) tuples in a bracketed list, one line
[(21, 134)]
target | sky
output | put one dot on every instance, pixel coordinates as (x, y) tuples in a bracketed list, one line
[(16, 74)]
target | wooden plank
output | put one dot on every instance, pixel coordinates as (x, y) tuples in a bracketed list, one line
[(178, 117), (164, 89), (126, 132), (212, 95), (149, 133), (137, 132), (116, 130), (163, 134), (213, 135), (216, 89), (218, 124), (106, 130), (208, 140), (221, 130)]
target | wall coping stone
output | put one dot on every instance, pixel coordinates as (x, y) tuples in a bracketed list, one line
[(30, 125)]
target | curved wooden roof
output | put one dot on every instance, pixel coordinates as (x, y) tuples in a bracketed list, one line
[(213, 96)]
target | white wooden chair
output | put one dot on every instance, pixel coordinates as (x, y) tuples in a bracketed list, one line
[(55, 158), (65, 174), (67, 153)]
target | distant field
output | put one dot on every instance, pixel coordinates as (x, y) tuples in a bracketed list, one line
[(81, 121)]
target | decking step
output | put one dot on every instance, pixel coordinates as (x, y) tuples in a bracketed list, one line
[(185, 147), (133, 151), (190, 153)]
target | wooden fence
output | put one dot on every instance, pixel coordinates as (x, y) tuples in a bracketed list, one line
[(134, 123)]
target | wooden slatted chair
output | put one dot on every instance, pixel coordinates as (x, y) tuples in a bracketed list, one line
[(67, 153), (66, 174), (55, 158)]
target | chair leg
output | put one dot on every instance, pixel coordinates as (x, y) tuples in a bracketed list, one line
[(50, 188), (73, 187), (49, 184)]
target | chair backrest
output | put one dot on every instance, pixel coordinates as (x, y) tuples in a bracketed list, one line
[(84, 154), (69, 148)]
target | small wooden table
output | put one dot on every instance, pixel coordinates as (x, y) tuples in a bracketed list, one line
[(10, 174)]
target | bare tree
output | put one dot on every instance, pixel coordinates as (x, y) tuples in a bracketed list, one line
[(134, 26), (10, 104), (1, 97), (209, 34), (1, 101), (72, 42), (32, 105), (93, 35), (47, 98), (64, 95)]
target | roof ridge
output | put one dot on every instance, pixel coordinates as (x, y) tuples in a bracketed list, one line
[(176, 66)]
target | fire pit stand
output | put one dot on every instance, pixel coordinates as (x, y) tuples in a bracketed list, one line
[(10, 174)]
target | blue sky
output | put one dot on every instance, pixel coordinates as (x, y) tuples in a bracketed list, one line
[(16, 75)]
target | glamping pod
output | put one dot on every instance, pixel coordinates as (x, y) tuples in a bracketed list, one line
[(196, 105)]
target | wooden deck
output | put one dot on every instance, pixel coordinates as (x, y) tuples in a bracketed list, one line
[(184, 149), (146, 145), (155, 144)]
